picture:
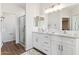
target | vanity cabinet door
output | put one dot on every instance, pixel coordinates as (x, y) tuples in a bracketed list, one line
[(56, 48), (56, 45), (36, 40), (67, 46), (67, 49)]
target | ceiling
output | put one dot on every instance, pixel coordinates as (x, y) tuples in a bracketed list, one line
[(44, 5)]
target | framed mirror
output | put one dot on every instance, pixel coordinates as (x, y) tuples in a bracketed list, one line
[(39, 21)]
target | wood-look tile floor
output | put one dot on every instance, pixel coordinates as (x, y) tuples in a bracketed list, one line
[(10, 48)]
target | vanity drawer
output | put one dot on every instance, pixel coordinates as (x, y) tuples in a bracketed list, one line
[(46, 50), (56, 38), (45, 41), (46, 36), (45, 46), (68, 40)]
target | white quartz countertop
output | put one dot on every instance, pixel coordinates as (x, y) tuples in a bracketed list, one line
[(59, 34)]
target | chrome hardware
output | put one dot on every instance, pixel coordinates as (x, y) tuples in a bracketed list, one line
[(61, 48)]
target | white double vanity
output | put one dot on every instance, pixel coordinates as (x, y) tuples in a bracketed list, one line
[(54, 42)]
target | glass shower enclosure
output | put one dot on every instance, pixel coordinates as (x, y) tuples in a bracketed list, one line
[(22, 30)]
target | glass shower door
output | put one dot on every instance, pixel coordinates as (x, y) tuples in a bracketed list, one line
[(22, 30)]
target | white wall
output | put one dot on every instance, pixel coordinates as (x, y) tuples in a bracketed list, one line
[(11, 13), (32, 10), (75, 10), (9, 27), (0, 27), (54, 20)]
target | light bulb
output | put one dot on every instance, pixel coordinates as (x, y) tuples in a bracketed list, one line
[(55, 8), (48, 10)]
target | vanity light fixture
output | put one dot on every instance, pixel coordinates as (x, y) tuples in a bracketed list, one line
[(54, 8)]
